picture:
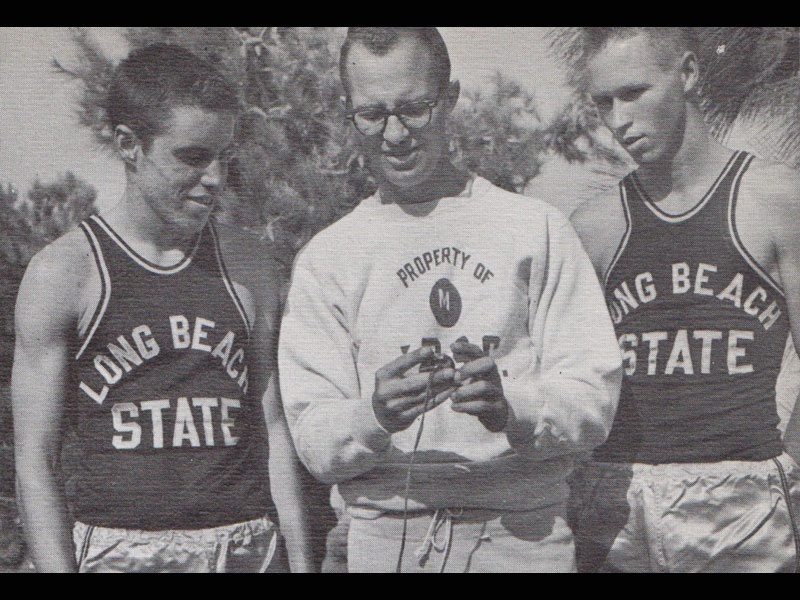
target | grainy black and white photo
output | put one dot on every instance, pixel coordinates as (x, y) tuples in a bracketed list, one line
[(399, 299)]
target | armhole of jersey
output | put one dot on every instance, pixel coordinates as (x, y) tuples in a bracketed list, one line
[(227, 280), (105, 288), (737, 241), (623, 193)]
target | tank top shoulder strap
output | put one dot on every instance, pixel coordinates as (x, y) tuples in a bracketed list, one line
[(99, 246), (634, 199), (645, 210), (624, 197), (97, 230), (729, 178), (211, 251)]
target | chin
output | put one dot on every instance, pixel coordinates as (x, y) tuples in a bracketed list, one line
[(191, 224), (651, 159), (404, 183), (412, 178)]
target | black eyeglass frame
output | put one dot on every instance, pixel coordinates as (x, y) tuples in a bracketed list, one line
[(350, 115)]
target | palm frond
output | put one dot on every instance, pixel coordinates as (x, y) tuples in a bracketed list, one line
[(771, 118), (740, 65)]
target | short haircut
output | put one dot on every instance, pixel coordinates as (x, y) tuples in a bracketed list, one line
[(152, 81), (381, 40), (667, 39), (582, 43)]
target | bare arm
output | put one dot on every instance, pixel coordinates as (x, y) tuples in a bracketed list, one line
[(249, 262), (781, 254), (600, 224), (44, 318), (287, 488)]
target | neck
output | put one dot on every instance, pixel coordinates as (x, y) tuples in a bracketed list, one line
[(698, 159), (445, 182), (135, 221)]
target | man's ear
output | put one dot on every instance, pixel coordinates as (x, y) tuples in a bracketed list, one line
[(690, 73), (452, 95), (126, 143)]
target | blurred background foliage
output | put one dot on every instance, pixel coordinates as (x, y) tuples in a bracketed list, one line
[(298, 166)]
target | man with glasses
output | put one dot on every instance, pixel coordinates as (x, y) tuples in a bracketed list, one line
[(445, 350)]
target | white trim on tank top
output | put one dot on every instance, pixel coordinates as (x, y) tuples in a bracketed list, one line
[(140, 260), (107, 282), (666, 217), (624, 242), (229, 284)]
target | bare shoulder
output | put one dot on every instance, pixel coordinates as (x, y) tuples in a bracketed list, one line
[(768, 200), (63, 262), (601, 224), (600, 218), (55, 281), (771, 180)]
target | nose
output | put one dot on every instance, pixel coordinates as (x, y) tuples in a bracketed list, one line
[(214, 175), (620, 119), (395, 132)]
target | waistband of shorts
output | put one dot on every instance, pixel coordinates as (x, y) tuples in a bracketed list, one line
[(677, 470), (233, 531), (464, 515)]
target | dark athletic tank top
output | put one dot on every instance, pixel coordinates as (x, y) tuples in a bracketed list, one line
[(167, 434), (702, 328)]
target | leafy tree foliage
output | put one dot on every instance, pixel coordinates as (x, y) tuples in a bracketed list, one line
[(298, 167), (498, 134)]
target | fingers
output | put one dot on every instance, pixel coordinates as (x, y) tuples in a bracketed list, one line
[(481, 367), (476, 408), (475, 388), (482, 399), (403, 363), (415, 384), (479, 389), (401, 403), (493, 415), (416, 411)]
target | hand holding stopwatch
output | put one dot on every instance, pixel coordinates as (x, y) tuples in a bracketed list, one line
[(401, 395), (480, 388)]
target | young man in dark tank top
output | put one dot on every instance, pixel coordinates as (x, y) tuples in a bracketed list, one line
[(149, 331), (700, 259)]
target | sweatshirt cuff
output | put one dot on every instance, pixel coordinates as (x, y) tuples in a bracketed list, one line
[(534, 426), (525, 408), (366, 429)]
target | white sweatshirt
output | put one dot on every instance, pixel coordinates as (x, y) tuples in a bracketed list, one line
[(505, 271)]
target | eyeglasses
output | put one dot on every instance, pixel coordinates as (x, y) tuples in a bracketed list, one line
[(372, 121)]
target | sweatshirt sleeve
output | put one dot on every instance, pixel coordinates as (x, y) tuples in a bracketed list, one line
[(565, 403), (334, 429)]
